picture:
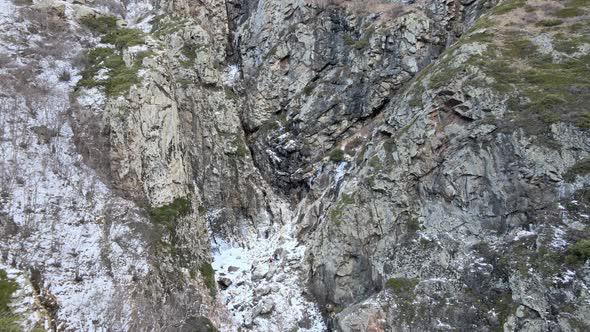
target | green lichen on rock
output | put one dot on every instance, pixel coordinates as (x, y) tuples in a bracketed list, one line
[(241, 147), (413, 225), (375, 163), (403, 290), (503, 305), (416, 102), (308, 89), (230, 93), (189, 50), (202, 210)]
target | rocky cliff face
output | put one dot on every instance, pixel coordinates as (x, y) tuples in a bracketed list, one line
[(457, 206), (119, 244), (295, 165), (317, 73)]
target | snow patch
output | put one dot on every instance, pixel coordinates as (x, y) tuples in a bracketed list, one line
[(340, 172), (230, 75), (565, 277), (138, 16), (558, 240), (523, 234)]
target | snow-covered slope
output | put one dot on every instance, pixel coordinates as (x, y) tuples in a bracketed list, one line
[(79, 244)]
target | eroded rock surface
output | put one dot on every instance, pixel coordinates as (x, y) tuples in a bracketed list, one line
[(295, 165)]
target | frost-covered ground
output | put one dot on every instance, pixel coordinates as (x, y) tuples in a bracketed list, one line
[(265, 296), (6, 10)]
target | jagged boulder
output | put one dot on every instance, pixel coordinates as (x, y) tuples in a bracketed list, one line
[(260, 271), (264, 307), (224, 282)]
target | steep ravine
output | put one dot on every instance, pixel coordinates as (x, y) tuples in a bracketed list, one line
[(294, 165)]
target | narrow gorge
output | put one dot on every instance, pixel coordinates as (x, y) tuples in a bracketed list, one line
[(294, 165)]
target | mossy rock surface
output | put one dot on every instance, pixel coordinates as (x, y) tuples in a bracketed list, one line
[(337, 155), (401, 285), (581, 168), (541, 87), (336, 211), (198, 324), (166, 214), (208, 275)]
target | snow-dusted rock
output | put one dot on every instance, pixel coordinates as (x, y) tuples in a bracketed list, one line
[(262, 290), (264, 307), (260, 271)]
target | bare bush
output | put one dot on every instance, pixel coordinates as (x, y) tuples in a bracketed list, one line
[(45, 22), (21, 81), (53, 29), (65, 76), (80, 60), (57, 49)]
